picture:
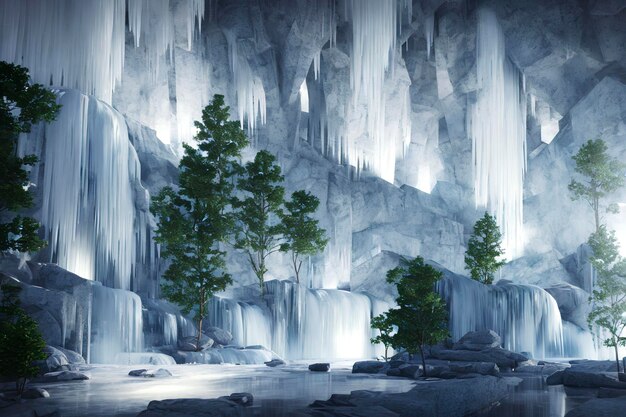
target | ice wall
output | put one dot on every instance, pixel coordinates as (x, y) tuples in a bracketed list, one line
[(497, 128), (90, 187), (299, 323), (525, 316)]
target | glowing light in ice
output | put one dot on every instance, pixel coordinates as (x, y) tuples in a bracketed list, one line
[(497, 128), (304, 97), (429, 33)]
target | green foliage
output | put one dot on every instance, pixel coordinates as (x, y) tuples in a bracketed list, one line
[(484, 250), (608, 298), (421, 316), (22, 106), (383, 323), (301, 233), (602, 175), (259, 211), (194, 221), (21, 342)]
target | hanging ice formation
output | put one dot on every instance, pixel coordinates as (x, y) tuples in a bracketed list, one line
[(300, 323), (56, 39), (117, 324), (429, 33), (251, 105), (525, 316), (90, 183), (497, 128)]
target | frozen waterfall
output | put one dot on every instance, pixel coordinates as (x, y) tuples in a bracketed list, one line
[(116, 325), (90, 185), (525, 316), (497, 128), (299, 323)]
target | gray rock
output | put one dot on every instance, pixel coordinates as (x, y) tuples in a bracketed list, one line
[(184, 407), (410, 370), (482, 368), (501, 357), (368, 367), (74, 358), (581, 379), (319, 367), (220, 336), (34, 393), (137, 372), (64, 376), (190, 343), (56, 361), (479, 340), (243, 398), (275, 362), (611, 392), (159, 373), (604, 407), (556, 378)]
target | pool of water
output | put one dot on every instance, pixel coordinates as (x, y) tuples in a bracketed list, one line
[(111, 392)]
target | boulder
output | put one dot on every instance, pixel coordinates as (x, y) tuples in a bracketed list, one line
[(190, 343), (581, 379), (56, 361), (34, 393), (137, 372), (602, 407), (275, 362), (611, 392), (368, 367), (319, 367), (556, 378), (481, 368), (64, 376), (183, 407), (74, 358), (219, 336), (410, 370), (501, 357), (479, 340), (158, 373), (243, 398)]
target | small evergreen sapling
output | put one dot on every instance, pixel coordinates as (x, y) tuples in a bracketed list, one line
[(484, 250), (301, 232)]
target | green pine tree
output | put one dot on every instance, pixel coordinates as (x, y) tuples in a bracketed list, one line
[(23, 105), (301, 233), (602, 176), (484, 250), (194, 221), (259, 212), (608, 298), (384, 325), (421, 316), (21, 342)]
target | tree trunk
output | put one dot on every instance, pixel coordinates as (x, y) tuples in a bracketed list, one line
[(386, 356), (596, 212), (617, 358), (423, 361), (199, 339)]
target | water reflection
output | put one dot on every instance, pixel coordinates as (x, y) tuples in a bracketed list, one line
[(534, 398)]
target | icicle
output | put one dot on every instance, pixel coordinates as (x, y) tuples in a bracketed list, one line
[(195, 14), (429, 33), (317, 58), (251, 103), (497, 128)]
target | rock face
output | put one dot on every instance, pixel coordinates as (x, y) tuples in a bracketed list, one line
[(190, 343), (223, 407), (368, 367), (605, 407), (220, 336), (480, 340)]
